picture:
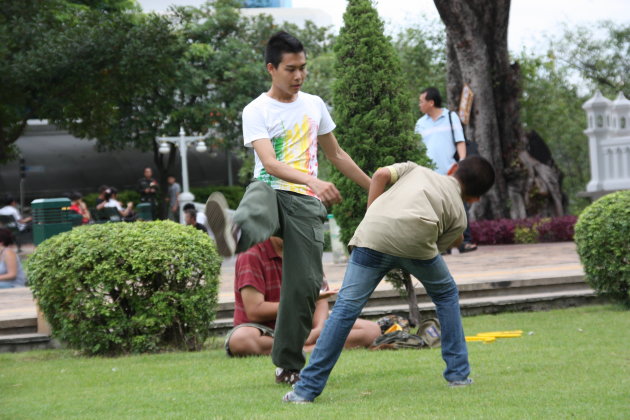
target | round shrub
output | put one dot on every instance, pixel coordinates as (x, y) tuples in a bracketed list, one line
[(127, 287), (602, 234)]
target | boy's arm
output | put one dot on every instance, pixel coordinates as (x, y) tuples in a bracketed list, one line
[(380, 179), (256, 308), (341, 160), (326, 191)]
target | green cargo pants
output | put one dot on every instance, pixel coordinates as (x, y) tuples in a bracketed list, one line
[(298, 219)]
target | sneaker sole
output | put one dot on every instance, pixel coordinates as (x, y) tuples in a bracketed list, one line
[(215, 211), (461, 384), (287, 400)]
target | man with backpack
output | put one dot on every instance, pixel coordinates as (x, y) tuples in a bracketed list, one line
[(443, 136)]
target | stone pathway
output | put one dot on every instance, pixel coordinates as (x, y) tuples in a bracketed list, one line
[(497, 263)]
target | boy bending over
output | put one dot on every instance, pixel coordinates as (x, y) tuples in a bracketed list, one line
[(406, 227)]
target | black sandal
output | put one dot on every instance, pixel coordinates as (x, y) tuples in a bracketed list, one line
[(467, 247)]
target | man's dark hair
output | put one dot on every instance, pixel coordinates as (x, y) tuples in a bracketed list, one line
[(102, 189), (7, 200), (433, 94), (476, 176), (280, 43), (189, 206), (192, 213)]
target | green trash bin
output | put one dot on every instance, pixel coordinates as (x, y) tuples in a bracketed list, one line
[(144, 211), (50, 217)]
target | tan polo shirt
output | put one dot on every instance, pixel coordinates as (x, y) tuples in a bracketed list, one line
[(418, 217)]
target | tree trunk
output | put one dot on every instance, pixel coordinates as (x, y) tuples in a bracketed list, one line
[(478, 55), (414, 313)]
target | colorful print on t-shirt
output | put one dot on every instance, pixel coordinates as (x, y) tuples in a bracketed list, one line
[(298, 149)]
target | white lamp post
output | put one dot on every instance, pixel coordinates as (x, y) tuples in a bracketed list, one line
[(182, 143)]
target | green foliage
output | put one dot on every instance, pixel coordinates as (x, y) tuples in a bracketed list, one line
[(127, 287), (124, 196), (525, 234), (233, 194), (327, 243), (601, 235), (599, 53), (374, 124), (422, 52), (321, 76), (85, 69)]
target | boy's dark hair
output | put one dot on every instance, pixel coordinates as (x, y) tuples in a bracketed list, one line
[(476, 176), (280, 43), (433, 94), (189, 206)]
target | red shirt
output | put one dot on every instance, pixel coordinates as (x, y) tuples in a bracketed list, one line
[(77, 209), (261, 268)]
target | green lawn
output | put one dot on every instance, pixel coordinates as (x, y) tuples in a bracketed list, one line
[(572, 363)]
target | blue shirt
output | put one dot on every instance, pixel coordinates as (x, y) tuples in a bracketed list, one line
[(20, 277), (438, 139)]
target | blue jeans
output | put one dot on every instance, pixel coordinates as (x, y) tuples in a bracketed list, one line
[(365, 270)]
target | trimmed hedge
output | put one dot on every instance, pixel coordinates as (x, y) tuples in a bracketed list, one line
[(602, 235), (120, 288), (532, 230)]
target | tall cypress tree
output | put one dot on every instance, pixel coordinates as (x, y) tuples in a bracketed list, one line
[(371, 109)]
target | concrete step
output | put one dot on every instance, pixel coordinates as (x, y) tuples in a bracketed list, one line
[(496, 304), (14, 343), (480, 289), (475, 299), (21, 325), (480, 297)]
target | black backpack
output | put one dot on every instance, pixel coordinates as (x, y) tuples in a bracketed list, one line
[(471, 146)]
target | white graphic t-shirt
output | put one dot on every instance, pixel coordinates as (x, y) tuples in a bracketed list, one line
[(293, 129)]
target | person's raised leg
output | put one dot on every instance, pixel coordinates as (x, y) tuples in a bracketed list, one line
[(440, 286), (365, 270), (254, 221)]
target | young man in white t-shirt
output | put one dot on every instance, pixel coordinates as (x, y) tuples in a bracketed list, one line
[(285, 126)]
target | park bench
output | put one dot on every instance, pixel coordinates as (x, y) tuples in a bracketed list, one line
[(106, 215)]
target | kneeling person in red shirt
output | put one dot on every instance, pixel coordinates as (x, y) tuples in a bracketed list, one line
[(257, 293)]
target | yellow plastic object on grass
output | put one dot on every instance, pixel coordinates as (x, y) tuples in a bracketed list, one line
[(502, 334), (393, 328), (482, 339)]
